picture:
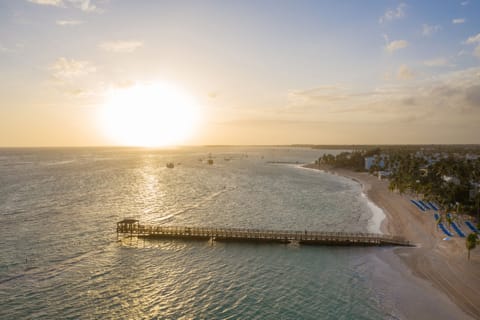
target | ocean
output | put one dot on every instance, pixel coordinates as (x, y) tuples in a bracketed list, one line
[(61, 258)]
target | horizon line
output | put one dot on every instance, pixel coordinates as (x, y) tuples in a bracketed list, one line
[(296, 145)]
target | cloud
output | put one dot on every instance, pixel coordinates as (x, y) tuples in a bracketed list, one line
[(405, 73), (396, 45), (472, 95), (394, 14), (458, 21), (10, 49), (84, 5), (124, 84), (3, 49), (428, 30), (437, 62), (399, 112), (55, 3), (476, 52), (320, 94), (464, 3), (64, 68), (121, 46), (456, 91), (473, 39), (213, 94), (441, 97), (79, 93), (68, 22)]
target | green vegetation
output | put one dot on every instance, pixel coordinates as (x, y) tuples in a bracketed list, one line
[(447, 175), (471, 243), (351, 160), (449, 181)]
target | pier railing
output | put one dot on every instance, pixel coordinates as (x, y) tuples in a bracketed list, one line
[(134, 228)]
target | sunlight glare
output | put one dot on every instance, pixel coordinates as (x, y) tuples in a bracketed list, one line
[(153, 115)]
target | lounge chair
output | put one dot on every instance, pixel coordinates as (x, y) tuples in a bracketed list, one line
[(434, 207), (423, 205), (471, 226), (418, 205), (445, 230), (458, 230)]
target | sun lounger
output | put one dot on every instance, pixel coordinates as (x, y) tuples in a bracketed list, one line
[(418, 205), (434, 207), (427, 204), (458, 230), (445, 230), (423, 205), (471, 226)]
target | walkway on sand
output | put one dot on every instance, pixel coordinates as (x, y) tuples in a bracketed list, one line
[(133, 227)]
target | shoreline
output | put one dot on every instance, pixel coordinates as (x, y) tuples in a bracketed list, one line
[(378, 219), (378, 216), (435, 267)]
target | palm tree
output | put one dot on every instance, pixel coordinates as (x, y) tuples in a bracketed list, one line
[(449, 220), (471, 243), (477, 200)]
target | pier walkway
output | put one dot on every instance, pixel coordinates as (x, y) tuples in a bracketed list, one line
[(132, 227)]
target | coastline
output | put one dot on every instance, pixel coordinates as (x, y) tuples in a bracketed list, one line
[(378, 217), (377, 224), (438, 269)]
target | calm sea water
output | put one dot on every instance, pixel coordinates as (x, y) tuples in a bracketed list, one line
[(60, 257)]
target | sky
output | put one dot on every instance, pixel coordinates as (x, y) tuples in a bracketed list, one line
[(260, 72)]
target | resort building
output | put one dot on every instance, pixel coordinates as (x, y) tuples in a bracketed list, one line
[(450, 179), (375, 160)]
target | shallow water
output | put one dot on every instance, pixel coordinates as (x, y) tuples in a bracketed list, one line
[(60, 257)]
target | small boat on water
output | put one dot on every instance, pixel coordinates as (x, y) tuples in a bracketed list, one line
[(210, 161), (170, 165)]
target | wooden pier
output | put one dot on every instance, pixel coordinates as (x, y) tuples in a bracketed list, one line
[(132, 227)]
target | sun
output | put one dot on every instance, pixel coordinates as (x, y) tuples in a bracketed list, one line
[(149, 115)]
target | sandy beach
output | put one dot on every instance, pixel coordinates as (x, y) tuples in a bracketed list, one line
[(438, 270)]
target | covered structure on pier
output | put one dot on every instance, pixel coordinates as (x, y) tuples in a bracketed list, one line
[(128, 225)]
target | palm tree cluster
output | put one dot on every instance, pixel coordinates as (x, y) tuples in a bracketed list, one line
[(471, 243), (449, 181), (442, 174), (354, 160)]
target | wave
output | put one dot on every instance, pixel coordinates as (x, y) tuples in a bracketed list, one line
[(58, 163), (52, 270), (171, 215), (377, 218)]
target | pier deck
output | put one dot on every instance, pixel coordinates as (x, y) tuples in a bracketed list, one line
[(133, 227)]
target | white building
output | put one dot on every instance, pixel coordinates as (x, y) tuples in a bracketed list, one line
[(450, 179)]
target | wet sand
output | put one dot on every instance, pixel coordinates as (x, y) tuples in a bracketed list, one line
[(446, 285)]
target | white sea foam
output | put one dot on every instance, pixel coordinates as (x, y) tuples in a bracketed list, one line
[(58, 163), (375, 222), (377, 216)]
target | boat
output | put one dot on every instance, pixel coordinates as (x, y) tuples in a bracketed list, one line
[(210, 161), (170, 165)]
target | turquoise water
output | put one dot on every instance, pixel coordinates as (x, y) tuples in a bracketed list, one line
[(60, 257)]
